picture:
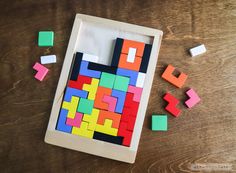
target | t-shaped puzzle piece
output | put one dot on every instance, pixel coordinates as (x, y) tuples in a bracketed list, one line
[(41, 71), (193, 98), (172, 103), (177, 81)]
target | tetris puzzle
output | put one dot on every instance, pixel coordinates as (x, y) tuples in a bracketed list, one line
[(101, 107)]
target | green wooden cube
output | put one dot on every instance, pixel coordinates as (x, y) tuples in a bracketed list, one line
[(121, 83), (85, 106), (46, 38), (159, 123), (107, 80)]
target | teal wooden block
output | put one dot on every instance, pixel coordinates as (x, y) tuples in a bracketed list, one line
[(121, 83), (45, 38), (107, 80), (159, 123), (85, 106)]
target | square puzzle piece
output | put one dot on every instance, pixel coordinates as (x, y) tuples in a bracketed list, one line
[(46, 38)]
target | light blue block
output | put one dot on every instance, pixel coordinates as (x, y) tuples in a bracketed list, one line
[(87, 72), (61, 123), (133, 75), (121, 100), (74, 92)]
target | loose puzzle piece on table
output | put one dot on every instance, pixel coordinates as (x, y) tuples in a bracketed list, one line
[(100, 101)]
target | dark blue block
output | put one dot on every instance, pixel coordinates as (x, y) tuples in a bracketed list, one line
[(117, 52), (76, 66), (108, 138), (102, 68), (145, 58)]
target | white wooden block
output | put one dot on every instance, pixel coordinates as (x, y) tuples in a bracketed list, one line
[(140, 80), (131, 55), (48, 59), (90, 58), (198, 50)]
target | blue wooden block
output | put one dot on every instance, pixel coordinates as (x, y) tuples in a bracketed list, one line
[(61, 123), (87, 72), (133, 75), (120, 100), (74, 92)]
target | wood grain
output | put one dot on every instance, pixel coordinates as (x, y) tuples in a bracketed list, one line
[(204, 134)]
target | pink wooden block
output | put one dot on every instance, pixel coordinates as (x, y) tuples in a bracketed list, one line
[(41, 71), (136, 91), (111, 102), (76, 121), (193, 98)]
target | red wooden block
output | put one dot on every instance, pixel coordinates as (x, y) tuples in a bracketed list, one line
[(172, 103), (81, 80), (126, 134), (130, 120), (131, 104)]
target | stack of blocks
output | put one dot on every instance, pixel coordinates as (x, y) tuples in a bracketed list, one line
[(100, 101)]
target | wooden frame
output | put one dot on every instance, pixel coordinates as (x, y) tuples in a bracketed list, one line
[(92, 146)]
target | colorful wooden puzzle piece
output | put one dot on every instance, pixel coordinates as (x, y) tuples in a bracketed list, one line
[(159, 122), (172, 103), (193, 98), (101, 101), (41, 71), (177, 81), (46, 38)]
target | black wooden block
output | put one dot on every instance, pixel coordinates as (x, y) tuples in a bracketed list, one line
[(102, 68), (145, 58), (108, 138), (76, 66), (117, 52)]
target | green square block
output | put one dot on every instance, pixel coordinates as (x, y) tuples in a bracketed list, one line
[(159, 123), (45, 38), (107, 80), (85, 106), (121, 83)]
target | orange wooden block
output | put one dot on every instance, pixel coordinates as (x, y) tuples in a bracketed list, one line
[(98, 102), (133, 44), (103, 115), (123, 63), (177, 81)]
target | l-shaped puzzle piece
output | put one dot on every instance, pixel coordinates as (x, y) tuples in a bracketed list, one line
[(193, 98)]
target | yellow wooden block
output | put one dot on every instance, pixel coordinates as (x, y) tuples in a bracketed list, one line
[(71, 106), (83, 130), (107, 128), (91, 119), (91, 88)]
